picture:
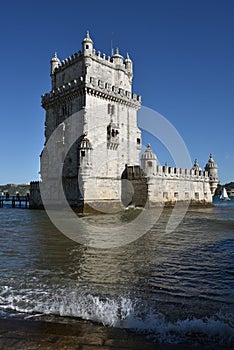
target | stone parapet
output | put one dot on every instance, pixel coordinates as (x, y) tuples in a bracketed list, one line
[(69, 61), (95, 56), (94, 87), (171, 172), (73, 88), (112, 92)]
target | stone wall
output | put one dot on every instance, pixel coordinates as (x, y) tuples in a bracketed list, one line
[(166, 187), (35, 201), (134, 187), (170, 185)]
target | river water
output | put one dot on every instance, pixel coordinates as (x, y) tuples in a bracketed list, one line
[(174, 287)]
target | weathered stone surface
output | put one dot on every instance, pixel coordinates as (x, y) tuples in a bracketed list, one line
[(96, 90)]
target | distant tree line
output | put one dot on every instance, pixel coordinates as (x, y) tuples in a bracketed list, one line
[(229, 187), (14, 189)]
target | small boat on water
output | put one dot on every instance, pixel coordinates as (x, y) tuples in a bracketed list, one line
[(224, 195)]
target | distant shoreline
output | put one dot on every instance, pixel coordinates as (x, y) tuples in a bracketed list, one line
[(13, 189)]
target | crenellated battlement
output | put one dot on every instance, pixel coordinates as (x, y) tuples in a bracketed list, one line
[(182, 173), (169, 172), (68, 61), (35, 185), (96, 55), (62, 90), (113, 92), (91, 71), (95, 87)]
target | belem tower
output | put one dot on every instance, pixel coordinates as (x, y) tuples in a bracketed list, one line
[(102, 168)]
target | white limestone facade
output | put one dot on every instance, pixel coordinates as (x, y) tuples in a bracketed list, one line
[(98, 90), (170, 185), (95, 90)]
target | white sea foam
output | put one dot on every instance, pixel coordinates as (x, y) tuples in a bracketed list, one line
[(73, 304), (212, 329), (89, 307), (120, 312)]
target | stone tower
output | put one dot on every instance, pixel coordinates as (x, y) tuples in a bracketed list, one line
[(97, 90), (91, 118), (212, 169)]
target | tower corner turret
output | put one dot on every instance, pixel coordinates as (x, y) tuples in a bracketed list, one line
[(54, 63), (196, 166), (149, 161), (87, 45), (212, 169), (117, 58), (129, 66)]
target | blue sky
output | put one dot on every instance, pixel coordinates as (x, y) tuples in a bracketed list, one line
[(183, 53)]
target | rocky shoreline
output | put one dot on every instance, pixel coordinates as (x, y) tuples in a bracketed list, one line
[(82, 335)]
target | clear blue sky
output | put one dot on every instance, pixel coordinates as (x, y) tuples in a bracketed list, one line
[(183, 53)]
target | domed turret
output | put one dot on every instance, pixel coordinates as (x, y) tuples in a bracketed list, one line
[(212, 169), (87, 45), (149, 161), (128, 66), (54, 63), (117, 58), (196, 166)]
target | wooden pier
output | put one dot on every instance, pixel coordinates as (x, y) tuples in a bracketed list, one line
[(16, 201)]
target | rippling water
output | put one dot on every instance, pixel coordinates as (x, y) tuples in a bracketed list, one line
[(175, 287)]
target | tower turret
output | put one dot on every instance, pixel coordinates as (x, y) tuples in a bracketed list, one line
[(128, 66), (85, 155), (54, 63), (117, 58), (149, 161), (196, 166), (212, 169), (87, 45)]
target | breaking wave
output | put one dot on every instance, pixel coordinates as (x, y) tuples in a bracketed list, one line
[(122, 312), (212, 329)]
